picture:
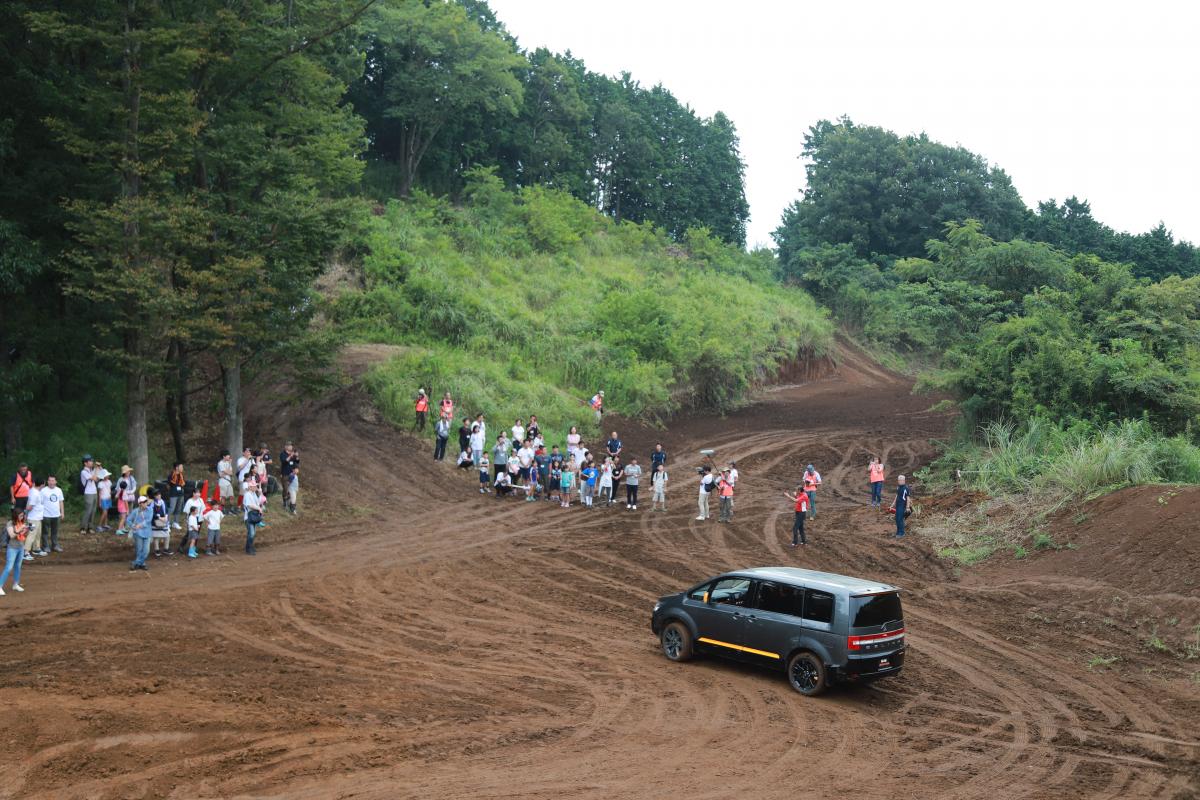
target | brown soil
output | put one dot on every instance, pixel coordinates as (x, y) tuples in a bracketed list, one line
[(406, 637)]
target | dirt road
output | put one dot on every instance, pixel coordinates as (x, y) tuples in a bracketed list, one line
[(410, 638)]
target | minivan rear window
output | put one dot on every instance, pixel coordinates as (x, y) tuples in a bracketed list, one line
[(875, 610)]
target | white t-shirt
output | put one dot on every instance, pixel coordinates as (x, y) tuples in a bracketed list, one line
[(250, 500), (525, 456), (707, 479), (104, 487), (733, 475), (213, 518), (51, 500), (193, 522), (87, 478), (33, 505), (518, 433), (193, 503), (477, 439), (243, 466)]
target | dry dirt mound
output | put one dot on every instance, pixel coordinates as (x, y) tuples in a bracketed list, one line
[(411, 638)]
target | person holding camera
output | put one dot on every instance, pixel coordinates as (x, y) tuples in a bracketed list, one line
[(706, 486)]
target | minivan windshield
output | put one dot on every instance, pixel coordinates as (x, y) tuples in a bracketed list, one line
[(875, 610)]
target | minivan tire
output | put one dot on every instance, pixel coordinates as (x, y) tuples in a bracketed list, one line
[(806, 674), (676, 641)]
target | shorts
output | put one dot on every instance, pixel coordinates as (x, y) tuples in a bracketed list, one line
[(106, 504), (523, 473), (483, 479)]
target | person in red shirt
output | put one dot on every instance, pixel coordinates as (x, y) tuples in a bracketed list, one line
[(800, 498)]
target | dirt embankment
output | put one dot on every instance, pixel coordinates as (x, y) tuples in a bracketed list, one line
[(412, 638)]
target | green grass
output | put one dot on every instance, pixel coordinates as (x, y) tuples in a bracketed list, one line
[(1095, 662), (530, 302), (968, 554)]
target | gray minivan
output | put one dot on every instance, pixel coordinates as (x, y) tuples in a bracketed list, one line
[(820, 628)]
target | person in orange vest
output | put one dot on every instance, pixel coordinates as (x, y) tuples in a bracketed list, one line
[(800, 498), (812, 481), (875, 474), (422, 408), (446, 407), (725, 487), (598, 404), (19, 486)]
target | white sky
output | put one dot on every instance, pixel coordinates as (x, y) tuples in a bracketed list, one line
[(1100, 99)]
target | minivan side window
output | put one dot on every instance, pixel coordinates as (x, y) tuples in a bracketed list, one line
[(780, 598), (818, 606), (731, 591)]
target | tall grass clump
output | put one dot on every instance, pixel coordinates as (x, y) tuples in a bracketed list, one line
[(531, 301)]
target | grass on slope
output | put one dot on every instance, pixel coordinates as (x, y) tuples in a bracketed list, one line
[(529, 302)]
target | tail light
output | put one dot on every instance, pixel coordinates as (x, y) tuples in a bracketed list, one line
[(858, 642)]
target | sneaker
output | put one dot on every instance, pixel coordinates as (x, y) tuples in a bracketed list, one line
[(634, 508), (143, 568), (176, 526), (18, 587), (121, 532), (58, 548), (627, 506), (42, 553), (27, 557), (701, 519), (1, 593)]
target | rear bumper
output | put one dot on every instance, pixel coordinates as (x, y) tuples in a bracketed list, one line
[(871, 667)]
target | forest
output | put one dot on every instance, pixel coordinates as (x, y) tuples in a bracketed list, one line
[(177, 181)]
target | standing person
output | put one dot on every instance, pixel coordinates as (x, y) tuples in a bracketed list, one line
[(541, 461), (800, 498), (534, 430), (566, 482), (659, 481), (613, 445), (160, 529), (633, 476), (104, 491), (604, 483), (618, 472), (900, 506), (225, 476), (587, 483), (421, 407), (477, 441), (525, 461), (479, 420), (20, 486), (658, 457), (14, 550), (289, 461), (812, 482), (482, 461), (500, 456), (725, 489), (706, 486), (518, 432), (212, 519), (291, 492), (252, 508), (442, 432), (573, 441), (126, 498), (598, 405), (876, 474), (464, 435), (54, 508), (175, 498), (33, 522), (193, 510), (87, 488), (139, 521), (446, 408)]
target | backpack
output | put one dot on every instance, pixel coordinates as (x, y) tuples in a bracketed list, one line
[(79, 486), (710, 486)]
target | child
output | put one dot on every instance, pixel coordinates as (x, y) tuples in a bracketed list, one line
[(160, 532), (484, 468), (659, 482), (213, 518), (587, 480), (194, 513), (464, 460), (104, 491), (126, 497), (531, 487), (293, 489), (566, 480), (556, 474), (606, 481)]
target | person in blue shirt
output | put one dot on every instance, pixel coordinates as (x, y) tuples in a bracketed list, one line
[(901, 505), (659, 456), (613, 446), (138, 525), (588, 476)]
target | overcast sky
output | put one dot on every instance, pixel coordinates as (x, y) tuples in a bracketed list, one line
[(1099, 99)]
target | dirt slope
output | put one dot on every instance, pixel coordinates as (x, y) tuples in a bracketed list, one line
[(410, 638)]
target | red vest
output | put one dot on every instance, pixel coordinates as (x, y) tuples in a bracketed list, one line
[(22, 485), (423, 403)]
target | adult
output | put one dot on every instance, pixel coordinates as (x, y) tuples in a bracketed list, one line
[(53, 509), (34, 512), (875, 476), (503, 484), (126, 496), (14, 550), (812, 482), (87, 486), (597, 405), (464, 436), (442, 433), (633, 476), (263, 461), (175, 495), (618, 472), (289, 469), (613, 445), (477, 444), (525, 456), (482, 423), (659, 481), (500, 456), (225, 473), (446, 408), (706, 486), (900, 506), (518, 432), (605, 481), (658, 458), (541, 463), (725, 490), (421, 407), (252, 508), (534, 430), (573, 444), (20, 486), (139, 522), (800, 498), (245, 464)]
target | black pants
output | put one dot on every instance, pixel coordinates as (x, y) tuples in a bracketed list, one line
[(439, 449), (798, 529), (631, 493), (419, 423), (50, 532)]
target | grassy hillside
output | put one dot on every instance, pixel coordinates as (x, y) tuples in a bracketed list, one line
[(531, 301)]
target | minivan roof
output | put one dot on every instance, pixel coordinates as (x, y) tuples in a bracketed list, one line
[(813, 578)]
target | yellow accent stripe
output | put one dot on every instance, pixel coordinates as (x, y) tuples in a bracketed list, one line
[(739, 647)]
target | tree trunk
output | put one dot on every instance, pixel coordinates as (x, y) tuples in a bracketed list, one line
[(182, 393), (172, 405), (137, 439), (231, 381)]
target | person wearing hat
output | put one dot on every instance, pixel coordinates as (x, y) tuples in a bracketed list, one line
[(598, 404), (138, 523), (421, 406), (87, 487), (126, 495), (725, 489), (812, 480)]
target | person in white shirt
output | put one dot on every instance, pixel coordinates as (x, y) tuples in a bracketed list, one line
[(477, 441), (244, 463), (104, 491), (34, 512), (518, 431), (87, 480), (706, 486), (225, 476), (193, 509), (53, 508), (733, 478), (252, 515), (659, 481), (212, 519), (525, 461)]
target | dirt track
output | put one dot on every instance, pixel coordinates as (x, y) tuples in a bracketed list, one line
[(428, 642)]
